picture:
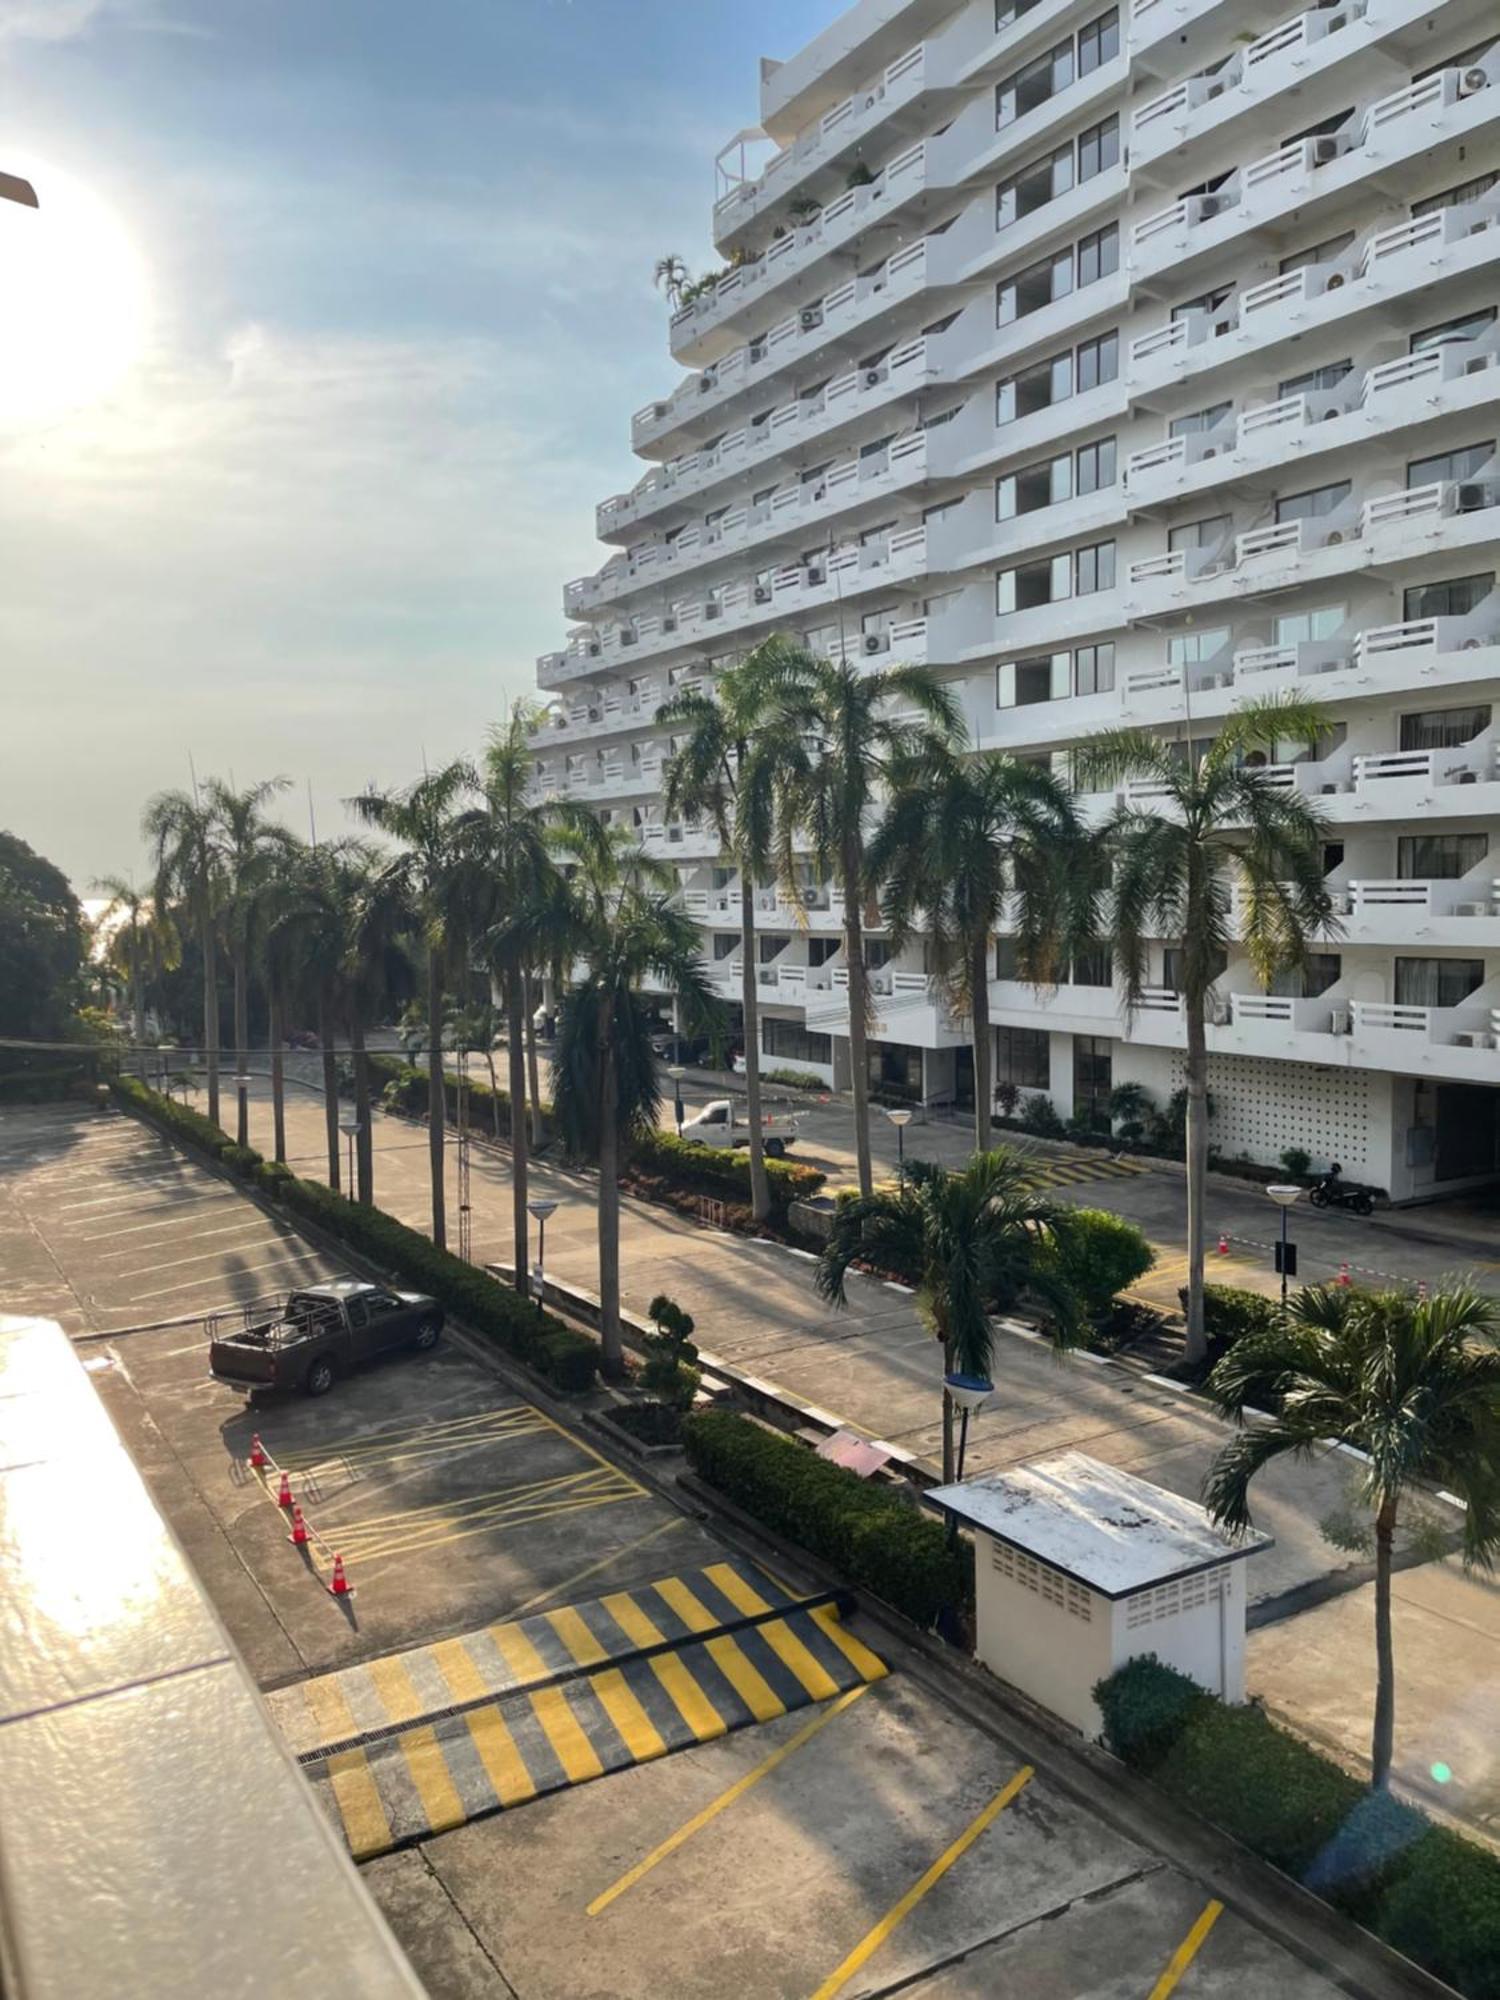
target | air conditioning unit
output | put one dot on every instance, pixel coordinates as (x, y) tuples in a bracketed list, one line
[(1211, 450), (1471, 495), (1325, 147), (1334, 540), (1338, 1021), (1217, 88), (1211, 204), (762, 593), (1472, 81), (596, 715), (713, 610), (705, 383), (1474, 1039), (816, 573), (628, 638), (594, 649), (873, 378), (669, 623), (820, 493), (874, 642), (1335, 281), (810, 317)]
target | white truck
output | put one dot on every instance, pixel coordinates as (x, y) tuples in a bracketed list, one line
[(722, 1123)]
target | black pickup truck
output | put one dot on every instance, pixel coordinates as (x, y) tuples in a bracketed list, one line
[(318, 1334)]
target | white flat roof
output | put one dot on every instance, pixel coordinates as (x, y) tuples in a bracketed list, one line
[(1114, 1532)]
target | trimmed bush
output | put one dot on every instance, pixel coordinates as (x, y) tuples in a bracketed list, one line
[(868, 1532), (44, 1086), (402, 1086), (1100, 1255), (1443, 1910), (709, 1171), (1229, 1314), (1365, 1854), (1145, 1706), (794, 1079)]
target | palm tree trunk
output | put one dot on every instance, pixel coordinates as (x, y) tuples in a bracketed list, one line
[(210, 1007), (1197, 1170), (241, 1041), (137, 1000), (437, 1108), (364, 1138), (277, 1031), (330, 1086), (1383, 1737), (612, 1356), (859, 1055), (979, 1016), (515, 1055), (532, 1080), (949, 1460), (760, 1180), (489, 1058)]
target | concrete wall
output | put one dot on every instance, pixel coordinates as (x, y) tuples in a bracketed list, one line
[(1194, 1623), (1051, 1651)]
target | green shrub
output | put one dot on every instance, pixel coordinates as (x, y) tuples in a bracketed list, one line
[(240, 1159), (1297, 1160), (671, 1373), (1038, 1114), (1443, 1910), (1365, 1854), (707, 1170), (1230, 1313), (869, 1533), (1100, 1255), (43, 1086), (1145, 1706), (795, 1079), (403, 1087)]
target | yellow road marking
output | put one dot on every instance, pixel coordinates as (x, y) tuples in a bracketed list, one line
[(791, 1652), (435, 1536), (743, 1596), (637, 1730), (523, 1659), (871, 1942), (1187, 1951), (428, 1529), (725, 1799), (456, 1665), (329, 1710), (394, 1686), (604, 1562), (566, 1735), (419, 1437), (454, 1510), (693, 1612), (632, 1621), (854, 1651), (430, 1774), (577, 1637), (588, 1451), (504, 1765), (748, 1683), (692, 1704), (366, 1827)]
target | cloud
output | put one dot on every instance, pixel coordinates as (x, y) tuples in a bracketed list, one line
[(64, 20)]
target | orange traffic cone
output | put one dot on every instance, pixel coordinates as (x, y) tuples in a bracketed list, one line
[(1223, 1245), (257, 1453), (284, 1497), (298, 1536), (1344, 1278), (338, 1583)]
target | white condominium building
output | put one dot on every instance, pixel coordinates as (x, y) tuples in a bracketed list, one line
[(1120, 363)]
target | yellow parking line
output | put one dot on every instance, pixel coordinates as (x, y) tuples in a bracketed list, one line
[(329, 1710), (504, 1765), (604, 1562), (784, 1642), (693, 1612), (791, 1652), (588, 1451), (366, 1827), (742, 1595), (637, 1731), (859, 1656), (523, 1659), (871, 1942), (632, 1621), (394, 1686), (577, 1637), (565, 1733), (434, 1783), (455, 1663), (692, 1704), (725, 1799), (748, 1683), (1187, 1951)]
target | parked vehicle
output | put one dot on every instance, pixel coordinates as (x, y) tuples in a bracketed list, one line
[(318, 1334), (722, 1123), (1333, 1192)]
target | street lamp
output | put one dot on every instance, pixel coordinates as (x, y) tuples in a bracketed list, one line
[(351, 1128), (541, 1210), (900, 1119), (242, 1120), (969, 1394), (677, 1073), (1284, 1194)]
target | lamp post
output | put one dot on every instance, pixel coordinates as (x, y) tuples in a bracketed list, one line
[(242, 1115), (350, 1128), (900, 1119), (1285, 1195), (969, 1393), (677, 1073), (541, 1210)]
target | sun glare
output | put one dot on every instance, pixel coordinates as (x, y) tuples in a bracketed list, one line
[(73, 299)]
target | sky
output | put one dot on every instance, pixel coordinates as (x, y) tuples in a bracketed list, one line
[(310, 387)]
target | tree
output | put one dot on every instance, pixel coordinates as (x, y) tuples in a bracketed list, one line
[(712, 776), (43, 944), (179, 828), (139, 942), (1213, 822), (433, 820), (670, 277), (306, 958), (973, 1242), (248, 844), (835, 740), (1413, 1384), (375, 977), (607, 1089), (983, 839)]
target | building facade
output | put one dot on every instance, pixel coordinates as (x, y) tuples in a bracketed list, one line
[(1120, 363)]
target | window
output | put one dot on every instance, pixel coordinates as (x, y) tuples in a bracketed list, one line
[(1033, 186), (1098, 148), (1033, 84), (1444, 728), (1035, 486), (1099, 42), (1047, 580), (1463, 328), (1023, 1056), (1439, 857), (1037, 286), (1039, 677), (1319, 972), (1199, 421), (1092, 1079), (1008, 12), (1094, 668), (1315, 504), (1207, 302), (791, 1039), (1434, 204), (1092, 968), (1096, 466), (1460, 464), (1098, 255), (1098, 361), (1054, 380), (769, 945), (1454, 598), (1205, 534), (1437, 982), (1328, 376), (1296, 628), (1172, 967), (1093, 568), (1320, 253), (820, 950), (725, 944)]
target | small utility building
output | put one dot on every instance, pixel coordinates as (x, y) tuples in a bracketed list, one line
[(1080, 1567)]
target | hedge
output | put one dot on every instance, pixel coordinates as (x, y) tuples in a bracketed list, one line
[(869, 1533), (404, 1088), (566, 1357), (1099, 1254), (44, 1086), (714, 1171), (1425, 1890)]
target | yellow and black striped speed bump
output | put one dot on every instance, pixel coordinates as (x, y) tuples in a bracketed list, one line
[(423, 1741), (1075, 1173)]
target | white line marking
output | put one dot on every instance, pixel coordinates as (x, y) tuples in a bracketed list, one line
[(202, 1257), (892, 1286), (197, 1284)]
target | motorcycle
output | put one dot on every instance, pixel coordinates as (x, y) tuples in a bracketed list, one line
[(1331, 1192)]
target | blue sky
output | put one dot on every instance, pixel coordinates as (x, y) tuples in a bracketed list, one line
[(397, 266)]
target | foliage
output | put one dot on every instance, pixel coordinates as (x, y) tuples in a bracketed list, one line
[(1038, 1114), (1145, 1705), (566, 1357), (859, 175), (1268, 1788), (712, 1170), (1443, 1910), (1231, 1313), (1297, 1161), (870, 1533), (42, 1083), (1098, 1255), (1007, 1097), (404, 1088), (796, 1079), (1131, 1111), (43, 944), (670, 1372)]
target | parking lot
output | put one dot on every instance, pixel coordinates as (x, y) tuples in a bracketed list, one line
[(592, 1748)]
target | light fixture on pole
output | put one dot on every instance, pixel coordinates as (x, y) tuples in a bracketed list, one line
[(677, 1073), (900, 1119), (1285, 1194), (350, 1127), (541, 1210), (242, 1119), (968, 1394)]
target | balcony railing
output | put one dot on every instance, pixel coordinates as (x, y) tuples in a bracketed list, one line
[(1248, 74)]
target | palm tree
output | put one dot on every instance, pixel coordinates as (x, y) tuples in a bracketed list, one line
[(179, 829), (1211, 823), (375, 977), (278, 964), (1412, 1384), (985, 837), (670, 276), (971, 1240), (142, 944), (835, 739), (712, 776), (306, 953), (629, 930), (248, 844), (432, 820)]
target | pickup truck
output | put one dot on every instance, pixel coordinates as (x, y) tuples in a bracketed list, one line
[(318, 1334), (722, 1123)]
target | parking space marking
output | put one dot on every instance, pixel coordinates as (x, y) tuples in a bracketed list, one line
[(570, 1745), (423, 1528), (247, 1270), (722, 1803), (357, 1457), (429, 1773), (605, 1562), (504, 1765), (358, 1798), (874, 1938), (1187, 1951)]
